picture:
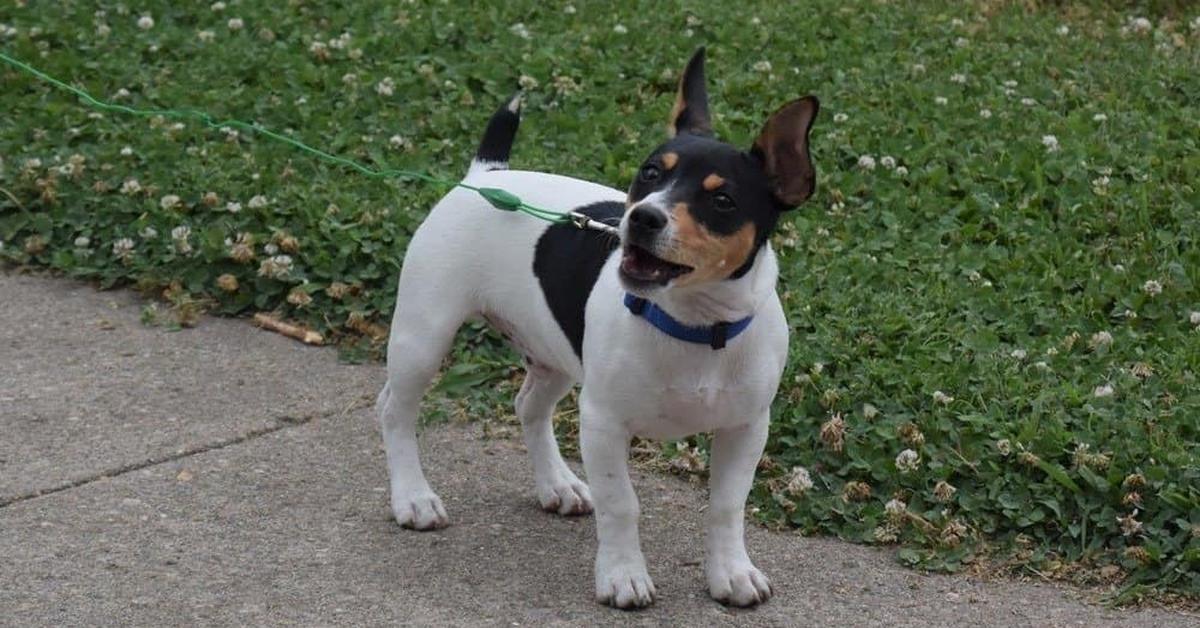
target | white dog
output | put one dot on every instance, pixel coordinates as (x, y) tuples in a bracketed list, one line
[(674, 329)]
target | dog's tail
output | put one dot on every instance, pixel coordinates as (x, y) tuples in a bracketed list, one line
[(498, 138)]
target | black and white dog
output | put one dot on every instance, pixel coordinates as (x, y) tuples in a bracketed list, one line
[(674, 329)]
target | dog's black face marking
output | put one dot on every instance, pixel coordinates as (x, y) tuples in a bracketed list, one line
[(724, 202), (722, 189), (567, 262)]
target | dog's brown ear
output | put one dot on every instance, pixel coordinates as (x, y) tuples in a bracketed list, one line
[(783, 146), (690, 114)]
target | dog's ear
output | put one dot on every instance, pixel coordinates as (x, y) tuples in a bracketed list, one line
[(690, 114), (783, 146)]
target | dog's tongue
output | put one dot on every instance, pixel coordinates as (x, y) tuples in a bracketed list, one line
[(640, 264)]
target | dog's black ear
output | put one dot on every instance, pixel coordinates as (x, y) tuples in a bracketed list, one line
[(690, 114), (783, 146)]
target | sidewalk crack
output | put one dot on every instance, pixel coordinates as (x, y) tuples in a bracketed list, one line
[(280, 423)]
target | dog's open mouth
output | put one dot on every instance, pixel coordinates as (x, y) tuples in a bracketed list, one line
[(640, 265)]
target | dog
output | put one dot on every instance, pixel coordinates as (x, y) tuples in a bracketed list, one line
[(673, 328)]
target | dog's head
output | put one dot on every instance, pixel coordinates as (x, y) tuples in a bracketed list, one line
[(699, 209)]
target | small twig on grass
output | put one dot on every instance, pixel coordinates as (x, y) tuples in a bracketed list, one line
[(307, 336), (13, 199)]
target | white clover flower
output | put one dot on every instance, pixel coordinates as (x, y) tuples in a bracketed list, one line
[(799, 481), (763, 66), (866, 162), (130, 187), (270, 248), (908, 460), (235, 24), (1041, 366), (887, 161), (840, 117), (958, 78), (123, 248), (1004, 447), (1100, 339), (258, 201), (1050, 142), (1018, 354), (1063, 30), (895, 507), (148, 233), (957, 22), (1010, 84), (527, 82), (1140, 25), (1194, 318), (217, 7), (962, 42), (182, 232), (1129, 524), (385, 87), (569, 9), (126, 151), (985, 113), (170, 201), (82, 242), (1152, 287), (942, 398), (102, 30), (1100, 117), (1028, 102), (620, 29), (319, 50), (941, 101), (520, 30), (918, 68), (1103, 391), (870, 412), (145, 22), (276, 267)]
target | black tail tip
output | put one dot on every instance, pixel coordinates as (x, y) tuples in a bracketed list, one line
[(501, 130)]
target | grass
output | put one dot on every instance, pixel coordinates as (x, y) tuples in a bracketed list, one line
[(999, 272)]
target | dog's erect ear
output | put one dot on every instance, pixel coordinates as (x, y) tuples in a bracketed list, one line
[(783, 146), (690, 114)]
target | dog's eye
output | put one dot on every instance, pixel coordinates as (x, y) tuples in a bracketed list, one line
[(724, 203), (649, 172)]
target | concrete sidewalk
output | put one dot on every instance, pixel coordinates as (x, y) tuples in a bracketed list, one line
[(227, 476)]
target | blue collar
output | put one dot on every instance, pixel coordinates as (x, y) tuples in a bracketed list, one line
[(715, 336)]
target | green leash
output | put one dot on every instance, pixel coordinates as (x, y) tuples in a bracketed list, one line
[(500, 199)]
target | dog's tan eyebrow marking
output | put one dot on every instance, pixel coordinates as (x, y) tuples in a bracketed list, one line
[(713, 181), (669, 160)]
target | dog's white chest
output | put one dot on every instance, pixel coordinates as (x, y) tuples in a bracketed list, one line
[(682, 410)]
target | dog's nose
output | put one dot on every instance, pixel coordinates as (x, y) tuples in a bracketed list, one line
[(647, 219)]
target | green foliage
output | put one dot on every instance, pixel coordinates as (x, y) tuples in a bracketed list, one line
[(998, 271)]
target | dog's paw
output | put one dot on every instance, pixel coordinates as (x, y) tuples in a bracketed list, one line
[(738, 583), (419, 510), (564, 494), (625, 585)]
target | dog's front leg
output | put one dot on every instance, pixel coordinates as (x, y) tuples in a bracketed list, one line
[(621, 577), (732, 578)]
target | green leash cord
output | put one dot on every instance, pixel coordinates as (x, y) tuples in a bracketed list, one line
[(500, 199)]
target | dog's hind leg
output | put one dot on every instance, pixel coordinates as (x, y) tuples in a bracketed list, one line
[(421, 336), (558, 488)]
